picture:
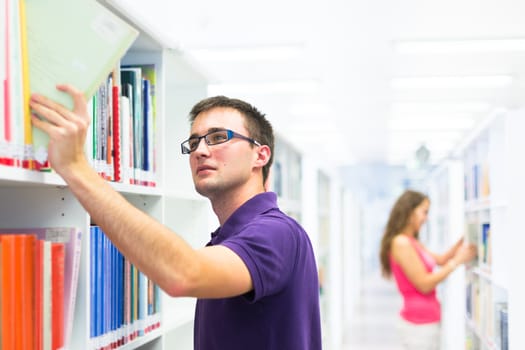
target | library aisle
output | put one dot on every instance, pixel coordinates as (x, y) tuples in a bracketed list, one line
[(374, 325)]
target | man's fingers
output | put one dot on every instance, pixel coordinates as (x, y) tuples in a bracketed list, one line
[(45, 110), (40, 100), (79, 101), (41, 124), (79, 108)]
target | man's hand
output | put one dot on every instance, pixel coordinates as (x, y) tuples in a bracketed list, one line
[(66, 129)]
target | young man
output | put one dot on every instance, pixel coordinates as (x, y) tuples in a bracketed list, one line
[(256, 280)]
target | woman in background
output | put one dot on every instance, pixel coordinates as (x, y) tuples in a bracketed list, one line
[(412, 265)]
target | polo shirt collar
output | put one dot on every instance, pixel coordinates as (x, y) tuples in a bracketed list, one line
[(258, 204)]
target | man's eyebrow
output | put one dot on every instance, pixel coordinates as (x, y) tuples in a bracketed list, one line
[(193, 135)]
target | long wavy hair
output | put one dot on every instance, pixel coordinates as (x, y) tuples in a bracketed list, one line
[(397, 221)]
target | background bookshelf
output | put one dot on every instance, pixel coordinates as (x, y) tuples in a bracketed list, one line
[(286, 177), (486, 191), (324, 231), (516, 240), (446, 221)]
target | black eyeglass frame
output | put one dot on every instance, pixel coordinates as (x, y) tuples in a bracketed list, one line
[(230, 134)]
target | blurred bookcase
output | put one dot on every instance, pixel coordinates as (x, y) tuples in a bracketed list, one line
[(489, 157)]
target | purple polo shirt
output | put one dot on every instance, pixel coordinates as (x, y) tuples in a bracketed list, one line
[(282, 311)]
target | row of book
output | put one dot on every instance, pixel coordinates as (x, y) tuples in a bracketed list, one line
[(476, 341), (486, 307), (125, 304), (39, 275), (122, 138), (477, 182), (479, 233), (37, 54)]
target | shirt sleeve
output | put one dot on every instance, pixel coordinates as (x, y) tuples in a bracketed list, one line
[(269, 250)]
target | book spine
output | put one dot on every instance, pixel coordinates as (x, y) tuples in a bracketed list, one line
[(47, 336), (27, 287), (72, 270), (116, 129), (57, 294), (5, 157), (8, 291), (39, 271), (27, 153)]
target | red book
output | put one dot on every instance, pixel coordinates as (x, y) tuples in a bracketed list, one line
[(39, 293), (27, 288), (57, 294), (71, 237), (8, 276), (17, 266), (116, 129)]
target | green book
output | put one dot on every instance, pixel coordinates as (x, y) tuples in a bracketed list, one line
[(71, 42)]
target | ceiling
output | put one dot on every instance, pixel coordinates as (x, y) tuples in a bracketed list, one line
[(325, 72)]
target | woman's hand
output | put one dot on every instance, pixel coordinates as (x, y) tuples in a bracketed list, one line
[(465, 253)]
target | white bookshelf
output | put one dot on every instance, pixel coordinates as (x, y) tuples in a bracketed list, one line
[(516, 241), (286, 177), (444, 228), (491, 222), (41, 199)]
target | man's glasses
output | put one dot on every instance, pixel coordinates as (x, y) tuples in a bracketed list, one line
[(212, 138)]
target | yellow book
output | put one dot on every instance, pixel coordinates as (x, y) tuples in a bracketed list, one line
[(28, 135), (71, 42)]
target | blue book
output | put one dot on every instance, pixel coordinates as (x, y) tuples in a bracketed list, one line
[(93, 258), (504, 328)]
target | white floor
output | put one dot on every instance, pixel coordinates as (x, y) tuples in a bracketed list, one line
[(374, 326)]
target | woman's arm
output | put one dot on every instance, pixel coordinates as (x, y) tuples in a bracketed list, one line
[(408, 258), (444, 258), (410, 262)]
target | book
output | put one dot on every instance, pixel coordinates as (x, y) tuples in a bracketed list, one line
[(131, 78), (26, 150), (13, 85), (8, 291), (27, 287), (57, 295), (4, 22), (149, 101), (116, 125), (126, 144), (486, 243), (16, 269), (504, 328), (72, 238), (83, 55), (39, 270), (46, 296)]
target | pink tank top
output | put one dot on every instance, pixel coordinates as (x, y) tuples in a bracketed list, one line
[(417, 308)]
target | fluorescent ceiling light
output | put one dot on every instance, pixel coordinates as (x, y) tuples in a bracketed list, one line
[(435, 122), (398, 147), (309, 109), (410, 140), (410, 108), (486, 81), (265, 88), (246, 54), (460, 46)]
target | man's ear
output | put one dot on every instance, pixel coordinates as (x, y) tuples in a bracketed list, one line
[(263, 155)]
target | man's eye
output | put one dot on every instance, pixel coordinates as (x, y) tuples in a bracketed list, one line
[(218, 137), (193, 143)]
